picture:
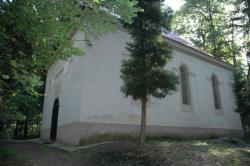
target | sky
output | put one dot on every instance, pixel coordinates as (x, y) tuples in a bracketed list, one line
[(174, 4)]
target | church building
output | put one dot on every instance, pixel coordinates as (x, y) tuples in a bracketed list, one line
[(83, 97)]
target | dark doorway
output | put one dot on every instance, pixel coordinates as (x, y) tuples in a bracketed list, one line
[(54, 120)]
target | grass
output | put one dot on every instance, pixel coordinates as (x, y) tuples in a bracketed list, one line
[(156, 152), (228, 152), (8, 153), (124, 154), (13, 157)]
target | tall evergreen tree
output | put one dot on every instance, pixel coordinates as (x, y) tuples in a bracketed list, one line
[(144, 72)]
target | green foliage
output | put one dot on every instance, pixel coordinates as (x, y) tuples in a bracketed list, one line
[(129, 155), (226, 151), (241, 89), (242, 92), (101, 16), (144, 72), (242, 71), (231, 141), (208, 24), (7, 153), (33, 34)]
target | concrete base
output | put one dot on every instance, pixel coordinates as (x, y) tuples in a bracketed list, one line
[(73, 133)]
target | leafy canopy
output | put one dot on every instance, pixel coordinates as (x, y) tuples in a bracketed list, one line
[(34, 33), (208, 25)]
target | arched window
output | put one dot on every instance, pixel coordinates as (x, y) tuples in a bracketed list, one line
[(185, 89), (216, 92)]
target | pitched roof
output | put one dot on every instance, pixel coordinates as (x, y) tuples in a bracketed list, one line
[(177, 39)]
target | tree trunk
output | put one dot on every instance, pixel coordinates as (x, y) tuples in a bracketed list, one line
[(212, 28), (248, 73), (232, 44), (247, 3), (16, 130), (25, 132), (143, 119)]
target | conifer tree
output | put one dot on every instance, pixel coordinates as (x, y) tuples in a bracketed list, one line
[(143, 72)]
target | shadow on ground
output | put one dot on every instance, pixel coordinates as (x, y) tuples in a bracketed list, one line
[(155, 153)]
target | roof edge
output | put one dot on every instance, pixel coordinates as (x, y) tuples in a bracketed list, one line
[(201, 54)]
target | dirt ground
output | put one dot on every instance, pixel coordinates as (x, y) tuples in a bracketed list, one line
[(154, 153), (34, 154)]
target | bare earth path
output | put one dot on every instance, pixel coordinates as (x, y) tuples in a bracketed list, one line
[(36, 154), (154, 153)]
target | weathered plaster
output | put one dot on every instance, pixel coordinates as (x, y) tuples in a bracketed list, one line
[(73, 133), (89, 93)]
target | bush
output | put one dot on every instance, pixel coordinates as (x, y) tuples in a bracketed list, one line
[(6, 134), (6, 154)]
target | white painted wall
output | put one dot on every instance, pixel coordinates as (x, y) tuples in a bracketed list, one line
[(90, 90), (59, 84)]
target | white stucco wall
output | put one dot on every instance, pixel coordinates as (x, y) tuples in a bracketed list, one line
[(59, 84), (90, 90)]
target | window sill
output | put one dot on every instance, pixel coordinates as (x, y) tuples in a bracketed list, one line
[(186, 108), (218, 112)]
